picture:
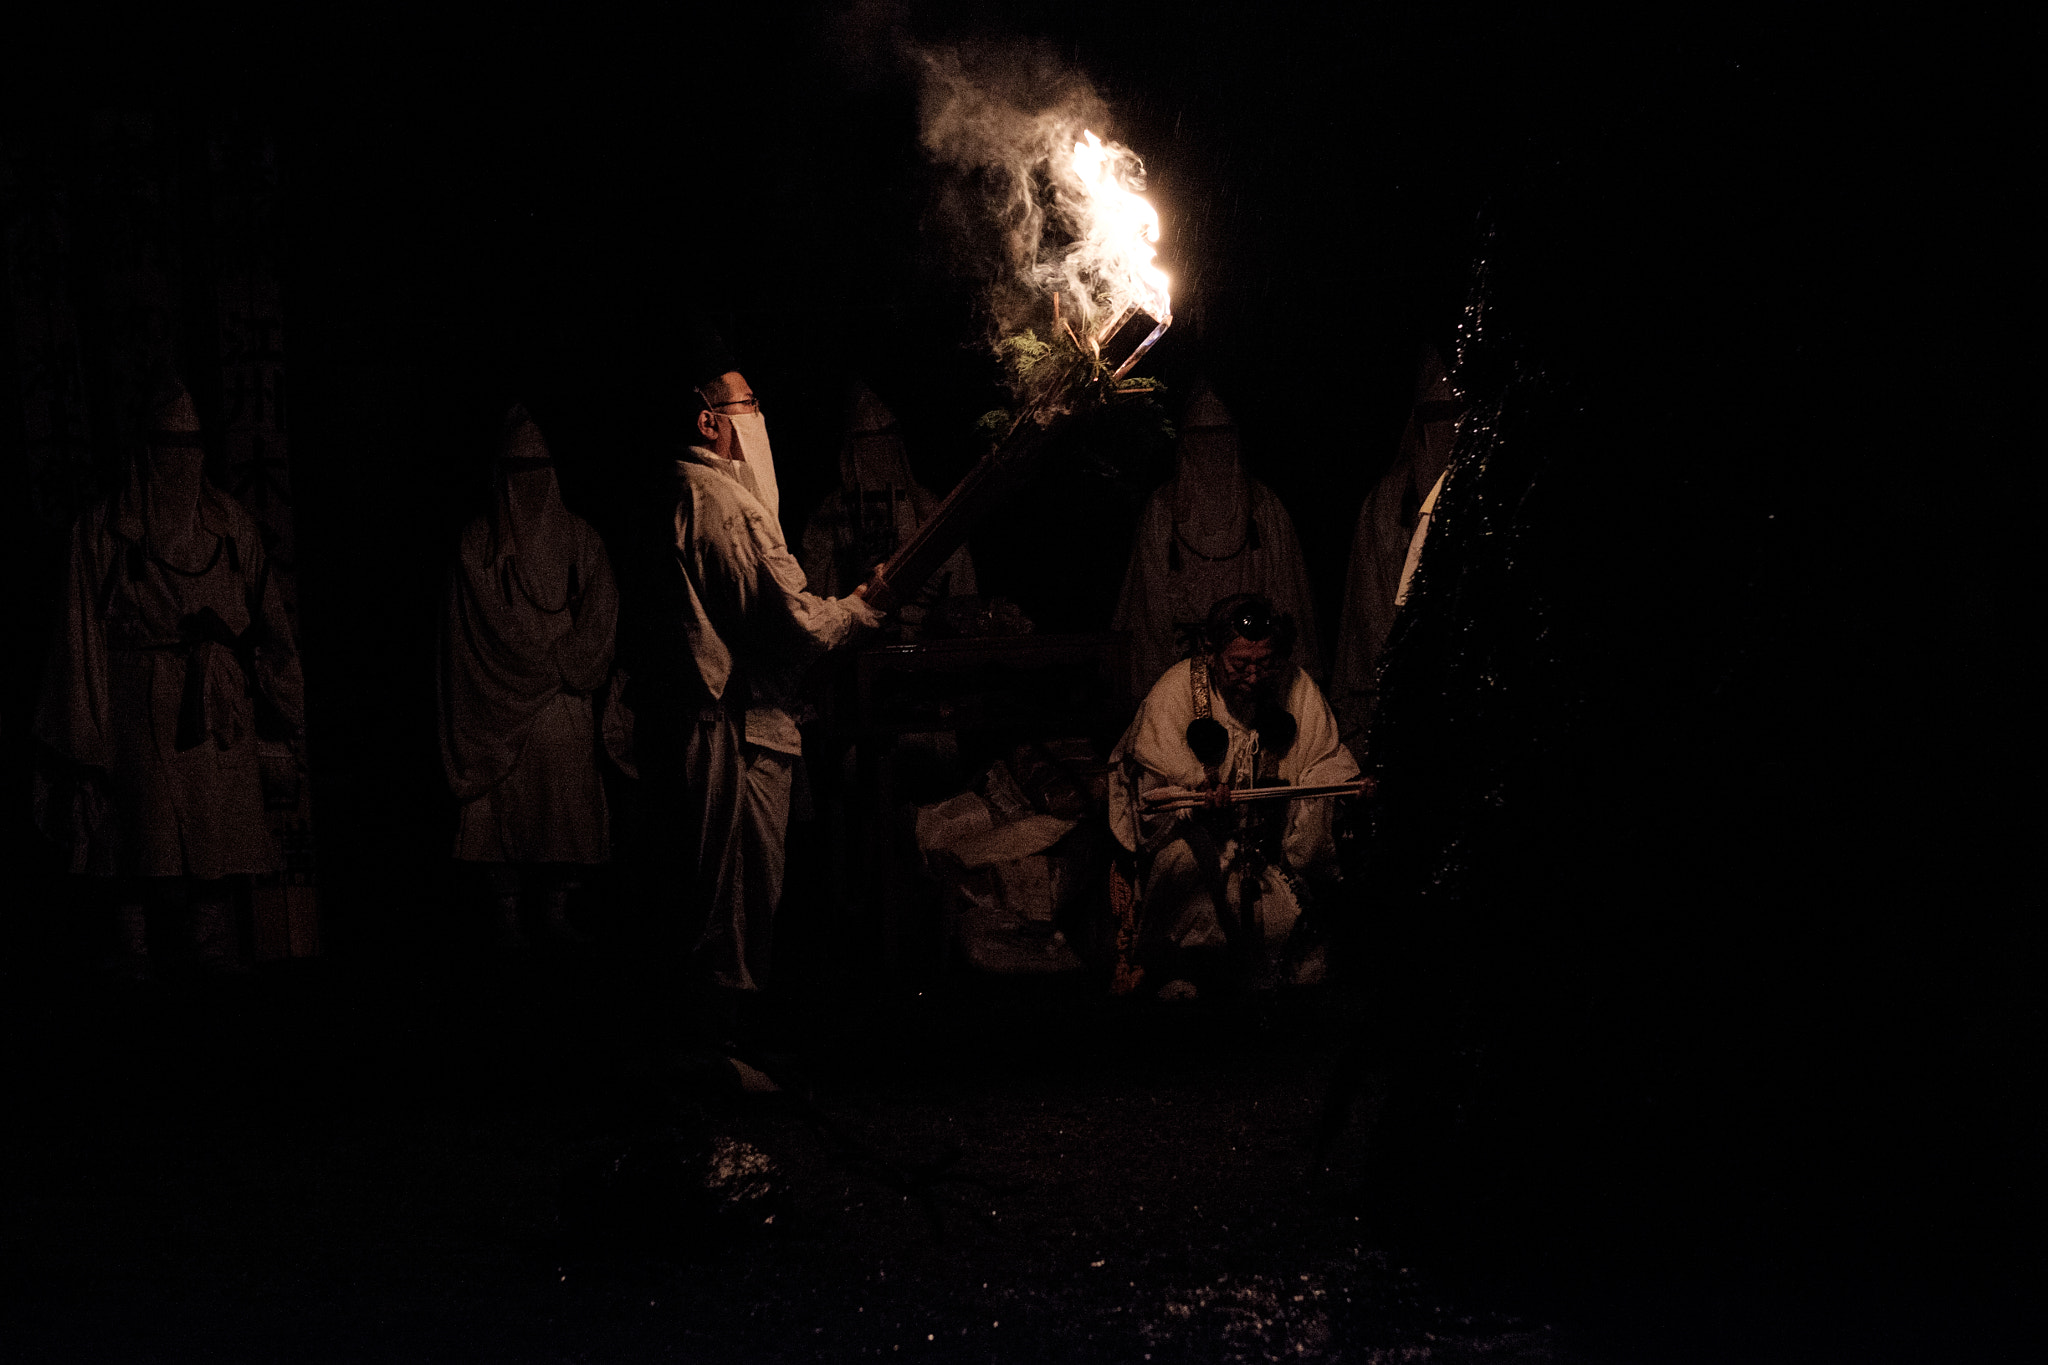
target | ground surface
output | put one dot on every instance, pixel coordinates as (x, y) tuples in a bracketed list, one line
[(309, 1169)]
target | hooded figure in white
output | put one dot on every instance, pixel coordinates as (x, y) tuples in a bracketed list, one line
[(1270, 724), (877, 507), (749, 628), (1388, 542), (175, 637), (526, 643), (1207, 533)]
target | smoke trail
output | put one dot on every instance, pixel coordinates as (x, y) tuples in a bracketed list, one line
[(1011, 206), (1002, 123)]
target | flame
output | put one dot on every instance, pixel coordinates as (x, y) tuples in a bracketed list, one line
[(1109, 267)]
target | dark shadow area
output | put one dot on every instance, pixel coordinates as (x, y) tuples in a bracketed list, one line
[(1692, 1009)]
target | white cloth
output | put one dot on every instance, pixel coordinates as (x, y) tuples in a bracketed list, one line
[(755, 466), (527, 638), (1413, 558), (1201, 519), (738, 812), (748, 619), (1390, 525), (550, 807), (1154, 752), (749, 628), (143, 699)]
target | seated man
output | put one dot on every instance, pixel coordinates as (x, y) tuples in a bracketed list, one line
[(1227, 880)]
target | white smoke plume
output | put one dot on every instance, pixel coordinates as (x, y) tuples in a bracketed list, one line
[(1003, 122), (1012, 208)]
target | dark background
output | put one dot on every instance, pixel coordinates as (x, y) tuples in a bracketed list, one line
[(1744, 831)]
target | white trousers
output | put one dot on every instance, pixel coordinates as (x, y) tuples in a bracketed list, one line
[(739, 819)]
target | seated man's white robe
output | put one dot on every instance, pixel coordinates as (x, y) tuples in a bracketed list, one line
[(1154, 752)]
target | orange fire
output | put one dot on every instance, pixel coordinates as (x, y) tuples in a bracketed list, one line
[(1112, 259)]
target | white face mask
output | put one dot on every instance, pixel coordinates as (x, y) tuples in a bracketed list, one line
[(170, 493), (750, 432)]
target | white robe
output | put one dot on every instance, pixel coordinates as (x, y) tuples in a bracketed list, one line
[(749, 628), (154, 718), (1154, 752), (1391, 524), (876, 508), (1193, 549), (527, 639)]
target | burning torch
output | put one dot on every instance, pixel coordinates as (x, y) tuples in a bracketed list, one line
[(1123, 306)]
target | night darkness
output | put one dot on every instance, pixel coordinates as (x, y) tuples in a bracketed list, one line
[(1700, 935)]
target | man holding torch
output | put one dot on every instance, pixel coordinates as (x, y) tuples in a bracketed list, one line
[(746, 628)]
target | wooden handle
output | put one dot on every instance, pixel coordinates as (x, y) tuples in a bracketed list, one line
[(993, 477)]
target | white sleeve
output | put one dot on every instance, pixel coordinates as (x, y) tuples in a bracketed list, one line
[(1153, 753), (783, 618)]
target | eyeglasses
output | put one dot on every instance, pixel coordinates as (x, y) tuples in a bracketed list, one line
[(751, 403)]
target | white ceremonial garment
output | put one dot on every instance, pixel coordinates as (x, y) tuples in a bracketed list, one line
[(1154, 752), (750, 627), (172, 628), (1390, 524), (526, 641), (1413, 558), (877, 507), (1207, 533)]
